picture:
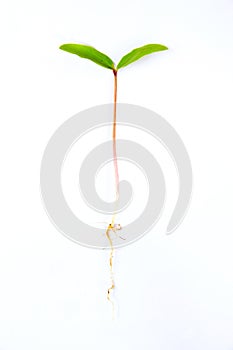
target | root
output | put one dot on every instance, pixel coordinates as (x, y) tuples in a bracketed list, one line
[(110, 289)]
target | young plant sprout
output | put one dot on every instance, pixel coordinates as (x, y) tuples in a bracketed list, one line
[(103, 60)]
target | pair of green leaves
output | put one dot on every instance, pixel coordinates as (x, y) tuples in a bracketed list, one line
[(103, 60)]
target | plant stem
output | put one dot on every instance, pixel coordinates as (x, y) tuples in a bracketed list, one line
[(111, 226), (114, 142)]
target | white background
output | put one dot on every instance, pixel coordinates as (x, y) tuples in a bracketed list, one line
[(173, 292)]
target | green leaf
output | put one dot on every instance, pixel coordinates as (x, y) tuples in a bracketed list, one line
[(90, 53), (138, 53)]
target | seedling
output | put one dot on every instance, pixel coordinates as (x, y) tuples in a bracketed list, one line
[(103, 60)]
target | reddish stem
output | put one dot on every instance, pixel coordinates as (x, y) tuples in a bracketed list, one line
[(111, 226), (114, 139)]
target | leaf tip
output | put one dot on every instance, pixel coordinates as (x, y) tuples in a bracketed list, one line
[(165, 48), (62, 47)]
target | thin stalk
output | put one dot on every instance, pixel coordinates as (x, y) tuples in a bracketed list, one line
[(114, 143), (111, 226)]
